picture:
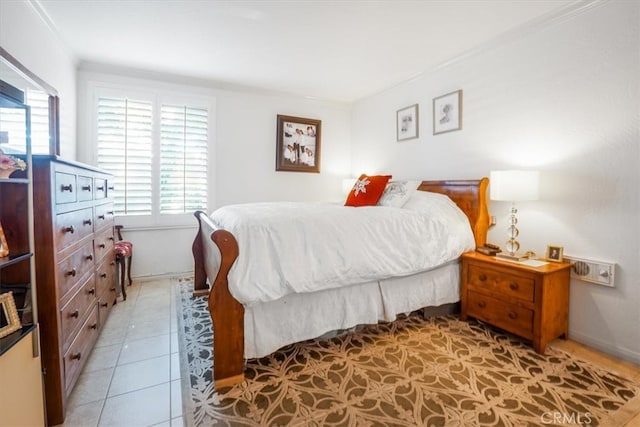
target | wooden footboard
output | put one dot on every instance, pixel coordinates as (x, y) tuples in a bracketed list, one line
[(214, 252)]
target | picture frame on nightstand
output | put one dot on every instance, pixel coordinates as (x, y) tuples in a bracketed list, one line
[(554, 253)]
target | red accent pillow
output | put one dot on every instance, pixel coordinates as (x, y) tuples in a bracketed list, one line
[(367, 190)]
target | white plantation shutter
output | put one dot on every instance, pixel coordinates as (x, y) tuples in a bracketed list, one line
[(124, 144), (183, 159)]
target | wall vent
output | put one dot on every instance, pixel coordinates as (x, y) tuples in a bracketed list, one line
[(598, 272)]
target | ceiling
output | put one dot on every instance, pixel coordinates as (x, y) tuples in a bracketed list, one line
[(336, 50)]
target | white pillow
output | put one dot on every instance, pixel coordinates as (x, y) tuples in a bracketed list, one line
[(396, 193), (427, 201)]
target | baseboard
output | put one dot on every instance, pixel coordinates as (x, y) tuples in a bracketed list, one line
[(622, 353), (151, 277)]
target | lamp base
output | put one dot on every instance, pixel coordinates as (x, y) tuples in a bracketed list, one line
[(512, 257)]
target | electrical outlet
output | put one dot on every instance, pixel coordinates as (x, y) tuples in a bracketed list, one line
[(598, 272)]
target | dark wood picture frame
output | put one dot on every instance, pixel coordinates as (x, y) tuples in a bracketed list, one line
[(298, 144)]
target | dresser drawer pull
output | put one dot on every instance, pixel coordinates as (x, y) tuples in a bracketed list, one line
[(102, 245), (100, 216), (76, 356), (111, 188), (482, 304), (69, 229), (111, 238), (104, 304), (94, 326), (112, 289), (513, 315), (110, 212), (103, 275), (89, 257), (86, 188), (92, 291), (68, 188), (100, 188), (513, 286), (72, 272), (112, 263), (75, 314), (482, 277), (86, 222)]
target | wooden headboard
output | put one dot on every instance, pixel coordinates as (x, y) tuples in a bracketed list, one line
[(471, 197)]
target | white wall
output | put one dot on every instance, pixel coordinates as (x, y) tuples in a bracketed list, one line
[(28, 39), (563, 99), (243, 148)]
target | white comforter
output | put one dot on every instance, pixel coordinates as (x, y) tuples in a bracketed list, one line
[(290, 247)]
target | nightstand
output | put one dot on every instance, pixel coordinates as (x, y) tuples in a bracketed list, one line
[(531, 302)]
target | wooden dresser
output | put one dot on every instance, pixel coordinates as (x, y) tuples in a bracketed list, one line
[(531, 302), (75, 269)]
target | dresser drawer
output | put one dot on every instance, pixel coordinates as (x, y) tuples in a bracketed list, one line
[(100, 184), (103, 243), (501, 283), (103, 215), (518, 320), (72, 227), (74, 267), (74, 312), (78, 353), (105, 279), (85, 188), (65, 189)]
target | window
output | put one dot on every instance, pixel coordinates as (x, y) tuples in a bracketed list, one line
[(158, 153)]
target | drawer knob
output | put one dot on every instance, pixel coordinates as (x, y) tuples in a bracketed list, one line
[(94, 326), (69, 229), (104, 304), (86, 188), (68, 188), (100, 216), (86, 222), (482, 277), (76, 356), (111, 188), (103, 275), (89, 257), (110, 212), (112, 289), (112, 263), (513, 286), (513, 315), (482, 304), (102, 245), (100, 188), (111, 238), (92, 291), (75, 314), (72, 272)]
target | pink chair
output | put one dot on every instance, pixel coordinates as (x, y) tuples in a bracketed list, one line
[(124, 253)]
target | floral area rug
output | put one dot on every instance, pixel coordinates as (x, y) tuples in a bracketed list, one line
[(411, 372)]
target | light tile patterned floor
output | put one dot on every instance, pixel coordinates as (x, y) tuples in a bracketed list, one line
[(132, 377)]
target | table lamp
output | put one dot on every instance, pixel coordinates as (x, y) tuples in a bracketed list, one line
[(513, 186)]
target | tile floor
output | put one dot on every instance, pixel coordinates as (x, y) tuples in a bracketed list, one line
[(132, 377)]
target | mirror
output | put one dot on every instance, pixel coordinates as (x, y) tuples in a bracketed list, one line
[(43, 100)]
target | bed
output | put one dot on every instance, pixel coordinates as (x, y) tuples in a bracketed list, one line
[(260, 325)]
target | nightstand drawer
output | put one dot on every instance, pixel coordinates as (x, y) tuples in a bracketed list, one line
[(517, 320), (501, 283)]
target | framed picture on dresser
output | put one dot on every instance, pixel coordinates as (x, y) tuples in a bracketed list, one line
[(4, 248), (9, 320)]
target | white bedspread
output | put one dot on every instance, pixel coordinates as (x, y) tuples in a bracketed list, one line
[(289, 247)]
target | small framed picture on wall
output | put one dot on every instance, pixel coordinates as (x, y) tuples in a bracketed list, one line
[(447, 112), (407, 123)]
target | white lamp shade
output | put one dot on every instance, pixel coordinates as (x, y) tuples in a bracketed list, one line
[(514, 185)]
